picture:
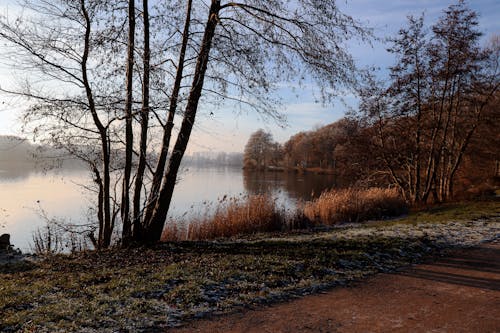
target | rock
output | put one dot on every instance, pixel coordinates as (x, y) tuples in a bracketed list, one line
[(5, 242)]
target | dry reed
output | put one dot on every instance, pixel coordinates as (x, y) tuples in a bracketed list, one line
[(234, 216), (355, 205), (260, 213)]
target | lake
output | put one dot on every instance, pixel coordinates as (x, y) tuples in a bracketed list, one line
[(26, 194)]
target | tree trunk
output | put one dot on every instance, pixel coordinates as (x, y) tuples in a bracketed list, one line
[(167, 131), (155, 225), (106, 230), (418, 137), (141, 167), (129, 137), (100, 207)]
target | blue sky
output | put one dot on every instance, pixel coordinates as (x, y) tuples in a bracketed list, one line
[(228, 130)]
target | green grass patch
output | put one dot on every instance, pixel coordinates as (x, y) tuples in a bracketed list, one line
[(120, 289), (461, 211)]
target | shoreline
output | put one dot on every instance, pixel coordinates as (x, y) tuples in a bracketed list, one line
[(299, 170), (175, 282)]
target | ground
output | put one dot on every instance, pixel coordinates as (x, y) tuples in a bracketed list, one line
[(456, 293), (155, 289)]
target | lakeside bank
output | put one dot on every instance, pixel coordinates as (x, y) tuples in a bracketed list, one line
[(146, 289)]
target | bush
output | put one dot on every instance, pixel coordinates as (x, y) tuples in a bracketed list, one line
[(355, 205)]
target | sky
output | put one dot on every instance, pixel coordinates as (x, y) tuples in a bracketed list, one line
[(228, 130)]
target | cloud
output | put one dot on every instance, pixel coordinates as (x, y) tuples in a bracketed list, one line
[(229, 130)]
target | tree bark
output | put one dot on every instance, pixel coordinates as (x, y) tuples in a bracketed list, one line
[(129, 137), (167, 131), (141, 167), (156, 223), (104, 234)]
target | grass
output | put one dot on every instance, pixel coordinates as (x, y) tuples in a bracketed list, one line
[(355, 205), (150, 289), (444, 213), (177, 280)]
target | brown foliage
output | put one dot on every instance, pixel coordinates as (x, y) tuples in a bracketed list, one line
[(260, 213)]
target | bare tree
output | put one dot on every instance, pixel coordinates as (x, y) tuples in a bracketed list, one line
[(58, 50), (438, 91), (129, 136), (214, 52), (250, 41), (466, 80), (260, 151)]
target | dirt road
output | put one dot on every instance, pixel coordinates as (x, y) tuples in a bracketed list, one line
[(456, 293)]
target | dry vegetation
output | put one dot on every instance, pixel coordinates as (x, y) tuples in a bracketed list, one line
[(355, 205), (118, 290), (233, 216), (175, 282), (260, 213)]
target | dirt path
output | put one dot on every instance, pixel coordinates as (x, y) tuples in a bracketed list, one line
[(457, 293)]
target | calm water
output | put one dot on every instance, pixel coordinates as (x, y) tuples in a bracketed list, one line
[(25, 193)]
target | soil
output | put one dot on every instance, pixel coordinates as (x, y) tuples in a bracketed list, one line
[(459, 292)]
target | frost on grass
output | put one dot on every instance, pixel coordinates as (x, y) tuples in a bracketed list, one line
[(154, 288)]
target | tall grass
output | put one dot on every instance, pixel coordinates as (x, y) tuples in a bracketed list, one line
[(355, 205), (234, 216), (260, 213)]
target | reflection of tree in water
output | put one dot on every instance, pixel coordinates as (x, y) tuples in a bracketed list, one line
[(15, 171), (297, 186), (3, 217), (18, 171)]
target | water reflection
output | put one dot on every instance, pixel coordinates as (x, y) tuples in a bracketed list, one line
[(20, 171), (296, 186), (15, 172), (22, 197), (23, 190), (199, 185)]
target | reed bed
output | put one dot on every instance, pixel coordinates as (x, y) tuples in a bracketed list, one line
[(230, 217), (355, 205), (251, 214)]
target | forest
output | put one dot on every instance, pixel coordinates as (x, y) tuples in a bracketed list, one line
[(429, 129)]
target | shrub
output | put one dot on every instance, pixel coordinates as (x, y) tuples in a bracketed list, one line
[(355, 205)]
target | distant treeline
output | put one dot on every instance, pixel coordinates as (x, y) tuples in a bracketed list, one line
[(326, 148), (339, 149), (202, 159), (351, 151), (16, 152)]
